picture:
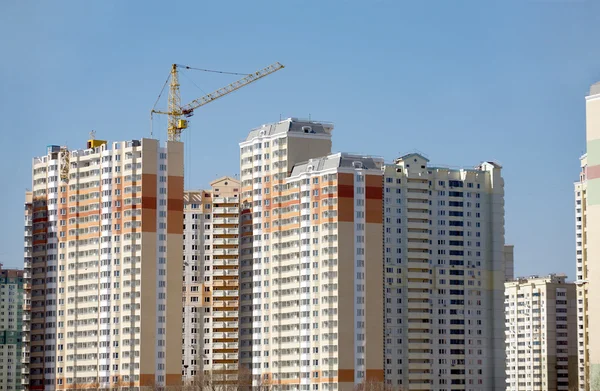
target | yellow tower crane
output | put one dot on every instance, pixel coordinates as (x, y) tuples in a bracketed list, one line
[(176, 111)]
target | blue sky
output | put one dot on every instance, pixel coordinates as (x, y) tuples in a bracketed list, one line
[(462, 81)]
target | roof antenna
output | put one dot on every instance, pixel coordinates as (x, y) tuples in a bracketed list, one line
[(279, 116), (93, 135), (309, 117)]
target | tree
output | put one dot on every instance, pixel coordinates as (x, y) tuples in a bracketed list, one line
[(374, 385), (210, 381)]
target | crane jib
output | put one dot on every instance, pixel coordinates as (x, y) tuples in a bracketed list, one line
[(176, 110)]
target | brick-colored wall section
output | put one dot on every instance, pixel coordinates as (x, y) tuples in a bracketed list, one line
[(346, 375), (346, 311), (345, 195), (374, 199), (175, 205), (375, 375), (148, 202)]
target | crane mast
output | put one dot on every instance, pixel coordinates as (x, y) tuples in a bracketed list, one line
[(176, 124)]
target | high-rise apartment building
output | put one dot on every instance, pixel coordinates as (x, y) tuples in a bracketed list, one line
[(211, 283), (541, 334), (509, 260), (11, 316), (587, 199), (322, 302), (27, 273), (266, 160), (582, 277), (439, 267), (445, 269), (105, 258)]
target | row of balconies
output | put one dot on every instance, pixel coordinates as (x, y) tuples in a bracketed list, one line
[(225, 231), (225, 345), (226, 303), (226, 220), (225, 293), (225, 251), (225, 272), (224, 325), (226, 200), (225, 262), (225, 314), (225, 241), (225, 210)]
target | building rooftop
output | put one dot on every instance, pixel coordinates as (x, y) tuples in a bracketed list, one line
[(291, 125), (595, 88), (551, 278), (337, 160)]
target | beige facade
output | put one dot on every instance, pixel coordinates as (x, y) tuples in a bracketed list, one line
[(587, 192), (266, 159), (311, 302), (445, 266), (104, 222), (582, 277), (211, 282), (541, 334), (347, 276)]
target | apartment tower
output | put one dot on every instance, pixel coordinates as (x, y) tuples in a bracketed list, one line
[(211, 283), (11, 317), (587, 192), (267, 157), (445, 267), (582, 277), (105, 258), (541, 334), (322, 325)]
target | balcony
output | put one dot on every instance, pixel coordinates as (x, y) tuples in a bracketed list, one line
[(225, 356), (227, 293), (225, 251), (228, 303), (225, 272), (227, 200), (226, 220), (417, 183), (226, 283), (225, 336), (226, 210), (226, 231), (417, 214), (420, 223), (226, 241), (225, 325), (424, 235), (225, 262), (225, 345), (225, 314), (419, 295), (222, 367)]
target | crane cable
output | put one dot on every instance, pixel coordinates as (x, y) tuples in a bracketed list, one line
[(161, 91), (191, 81), (213, 71)]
